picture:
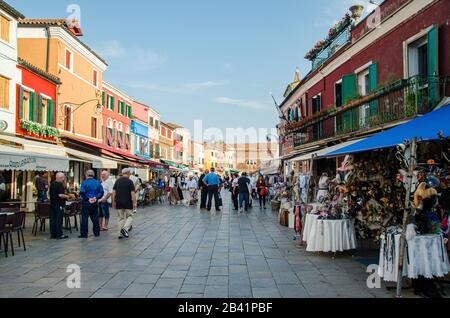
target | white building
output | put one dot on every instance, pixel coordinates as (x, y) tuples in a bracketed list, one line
[(154, 125), (9, 73)]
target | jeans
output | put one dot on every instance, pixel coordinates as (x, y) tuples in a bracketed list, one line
[(89, 211), (234, 198), (42, 196), (56, 220), (244, 197), (213, 190), (203, 197), (103, 210)]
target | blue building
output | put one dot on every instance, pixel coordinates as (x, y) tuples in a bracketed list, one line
[(139, 132)]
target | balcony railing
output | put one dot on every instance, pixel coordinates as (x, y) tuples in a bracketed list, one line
[(394, 102), (338, 42)]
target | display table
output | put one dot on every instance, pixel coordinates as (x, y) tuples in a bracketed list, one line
[(426, 256), (331, 236), (309, 221)]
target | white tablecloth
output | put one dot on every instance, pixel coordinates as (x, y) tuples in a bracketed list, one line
[(331, 236), (427, 256), (309, 221)]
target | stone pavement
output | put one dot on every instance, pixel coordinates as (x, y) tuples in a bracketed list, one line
[(182, 252)]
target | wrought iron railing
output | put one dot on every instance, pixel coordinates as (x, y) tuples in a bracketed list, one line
[(338, 42), (397, 101)]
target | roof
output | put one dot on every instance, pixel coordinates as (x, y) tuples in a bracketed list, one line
[(10, 10), (173, 126), (30, 67), (73, 29)]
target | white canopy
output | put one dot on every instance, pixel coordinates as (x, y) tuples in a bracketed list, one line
[(16, 159)]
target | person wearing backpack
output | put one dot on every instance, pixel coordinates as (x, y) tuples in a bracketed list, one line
[(261, 187)]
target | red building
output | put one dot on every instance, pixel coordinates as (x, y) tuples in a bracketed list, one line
[(36, 103), (117, 114), (369, 75)]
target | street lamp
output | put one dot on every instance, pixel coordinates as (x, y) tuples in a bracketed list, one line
[(98, 107)]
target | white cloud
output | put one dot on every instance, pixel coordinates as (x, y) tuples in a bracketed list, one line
[(111, 48), (184, 88), (252, 104), (150, 58)]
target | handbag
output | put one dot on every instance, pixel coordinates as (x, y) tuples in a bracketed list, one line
[(264, 192)]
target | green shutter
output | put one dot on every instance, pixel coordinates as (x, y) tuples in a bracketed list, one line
[(112, 103), (103, 98), (52, 113), (103, 133), (21, 102), (433, 67), (39, 109), (373, 85), (350, 117), (48, 112), (151, 121), (32, 107)]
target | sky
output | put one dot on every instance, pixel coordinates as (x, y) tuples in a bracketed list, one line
[(211, 60)]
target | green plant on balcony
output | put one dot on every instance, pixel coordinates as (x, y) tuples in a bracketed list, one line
[(37, 129)]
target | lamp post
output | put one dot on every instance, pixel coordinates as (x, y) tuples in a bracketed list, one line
[(98, 107)]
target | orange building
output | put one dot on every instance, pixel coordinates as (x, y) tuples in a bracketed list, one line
[(54, 46)]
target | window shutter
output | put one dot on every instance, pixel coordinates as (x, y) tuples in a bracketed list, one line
[(32, 107), (21, 102), (433, 66), (103, 98), (112, 103), (49, 112), (348, 93), (373, 85), (39, 109)]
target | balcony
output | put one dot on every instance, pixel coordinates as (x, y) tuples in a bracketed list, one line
[(332, 47), (392, 103)]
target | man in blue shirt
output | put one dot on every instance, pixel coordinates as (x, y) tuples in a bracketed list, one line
[(212, 181), (91, 191)]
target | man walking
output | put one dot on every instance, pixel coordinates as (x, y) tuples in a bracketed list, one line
[(58, 199), (203, 190), (91, 191), (105, 202), (244, 184), (42, 187), (212, 181), (124, 201)]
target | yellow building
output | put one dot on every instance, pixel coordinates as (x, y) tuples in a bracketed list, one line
[(54, 45)]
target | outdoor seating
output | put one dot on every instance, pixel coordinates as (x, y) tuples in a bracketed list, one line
[(17, 227), (41, 214), (5, 234), (72, 211)]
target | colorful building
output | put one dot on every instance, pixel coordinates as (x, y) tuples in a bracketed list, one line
[(117, 114), (154, 123), (368, 77), (140, 130), (9, 74), (166, 141), (55, 46)]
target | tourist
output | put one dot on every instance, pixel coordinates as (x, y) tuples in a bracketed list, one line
[(42, 187), (234, 189), (125, 202), (134, 178), (253, 185), (105, 202), (203, 190), (192, 186), (262, 190), (179, 185), (58, 199), (91, 191), (212, 181), (174, 197), (244, 185)]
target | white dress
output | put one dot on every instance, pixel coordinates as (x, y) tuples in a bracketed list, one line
[(323, 188)]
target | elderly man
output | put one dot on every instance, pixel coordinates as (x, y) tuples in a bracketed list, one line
[(91, 191), (58, 199), (125, 202), (106, 201), (203, 190)]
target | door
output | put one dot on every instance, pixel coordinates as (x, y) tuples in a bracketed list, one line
[(349, 117)]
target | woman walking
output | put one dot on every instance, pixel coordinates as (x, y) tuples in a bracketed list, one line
[(234, 189), (261, 187), (174, 198)]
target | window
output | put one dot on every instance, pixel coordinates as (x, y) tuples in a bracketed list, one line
[(156, 124), (157, 150), (69, 60), (67, 118), (122, 108), (94, 127), (169, 134), (418, 58), (317, 104), (151, 121), (4, 28), (110, 101), (163, 131), (25, 105), (129, 111), (95, 78), (4, 92), (338, 94), (44, 111)]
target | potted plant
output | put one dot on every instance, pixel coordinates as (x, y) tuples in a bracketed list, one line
[(356, 11)]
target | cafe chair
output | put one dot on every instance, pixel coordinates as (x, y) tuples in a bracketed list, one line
[(71, 212), (41, 214), (5, 234), (17, 227)]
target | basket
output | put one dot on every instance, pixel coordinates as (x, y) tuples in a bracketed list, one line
[(275, 205)]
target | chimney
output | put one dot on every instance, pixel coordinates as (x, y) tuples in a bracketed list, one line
[(356, 12)]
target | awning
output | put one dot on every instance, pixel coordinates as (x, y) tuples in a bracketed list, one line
[(97, 162), (175, 166), (35, 146), (270, 171), (323, 152), (17, 159), (424, 128)]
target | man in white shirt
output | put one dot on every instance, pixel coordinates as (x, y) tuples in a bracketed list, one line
[(105, 202), (135, 180), (192, 186)]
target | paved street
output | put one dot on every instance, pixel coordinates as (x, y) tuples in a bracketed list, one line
[(182, 252)]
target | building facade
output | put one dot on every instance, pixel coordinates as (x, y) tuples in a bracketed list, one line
[(54, 45), (372, 74), (9, 73), (249, 156), (166, 141), (117, 113), (154, 124), (140, 130)]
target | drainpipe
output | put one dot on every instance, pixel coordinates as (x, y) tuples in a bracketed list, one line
[(47, 62)]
